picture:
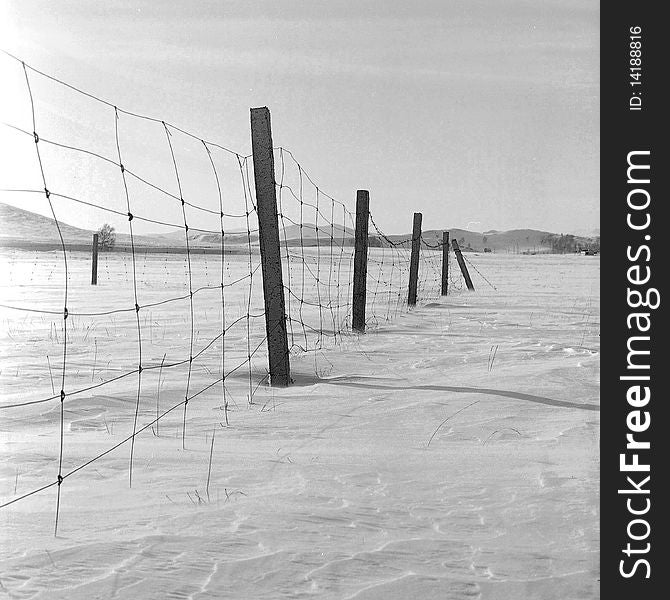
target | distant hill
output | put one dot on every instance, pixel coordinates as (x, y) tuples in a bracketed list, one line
[(515, 240), (291, 234), (24, 229), (309, 231), (23, 226)]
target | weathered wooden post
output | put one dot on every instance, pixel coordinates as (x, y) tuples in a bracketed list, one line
[(414, 260), (445, 262), (94, 268), (268, 236), (360, 260), (462, 265)]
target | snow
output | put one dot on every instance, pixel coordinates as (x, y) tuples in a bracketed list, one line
[(450, 452)]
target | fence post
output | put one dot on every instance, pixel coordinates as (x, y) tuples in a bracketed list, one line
[(268, 237), (94, 268), (414, 260), (360, 259), (445, 262), (461, 264)]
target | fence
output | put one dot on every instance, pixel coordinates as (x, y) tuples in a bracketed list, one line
[(236, 241)]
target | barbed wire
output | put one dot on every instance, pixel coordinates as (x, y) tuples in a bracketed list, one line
[(479, 272)]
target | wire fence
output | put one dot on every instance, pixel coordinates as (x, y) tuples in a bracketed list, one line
[(178, 311)]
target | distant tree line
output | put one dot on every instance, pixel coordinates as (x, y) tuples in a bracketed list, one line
[(560, 244), (589, 246), (564, 243)]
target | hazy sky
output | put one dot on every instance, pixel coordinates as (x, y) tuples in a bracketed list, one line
[(480, 114)]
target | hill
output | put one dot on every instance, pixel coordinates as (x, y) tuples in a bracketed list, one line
[(291, 234), (20, 228)]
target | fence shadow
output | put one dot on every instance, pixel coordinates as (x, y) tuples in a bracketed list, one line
[(347, 382)]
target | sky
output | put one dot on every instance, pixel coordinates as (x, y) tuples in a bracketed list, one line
[(479, 114)]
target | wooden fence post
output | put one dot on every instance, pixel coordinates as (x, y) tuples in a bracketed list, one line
[(445, 262), (268, 236), (461, 264), (360, 260), (414, 260), (94, 268)]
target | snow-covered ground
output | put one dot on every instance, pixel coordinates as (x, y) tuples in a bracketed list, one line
[(450, 452)]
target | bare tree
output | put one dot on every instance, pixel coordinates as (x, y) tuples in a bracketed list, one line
[(106, 237)]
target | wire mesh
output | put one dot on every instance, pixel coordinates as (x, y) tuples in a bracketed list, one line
[(178, 312)]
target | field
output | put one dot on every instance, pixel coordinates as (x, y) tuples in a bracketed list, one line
[(450, 452)]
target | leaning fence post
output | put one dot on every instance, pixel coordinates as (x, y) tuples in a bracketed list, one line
[(94, 267), (461, 264), (414, 260), (445, 262), (268, 236), (360, 259)]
